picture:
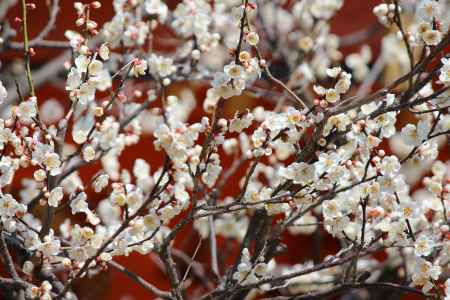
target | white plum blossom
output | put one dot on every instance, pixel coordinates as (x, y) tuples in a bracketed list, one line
[(432, 37), (3, 92), (423, 246), (444, 76), (103, 51), (139, 67), (428, 9), (8, 206), (55, 197), (156, 7), (27, 110), (49, 246), (161, 66), (302, 173), (415, 135), (424, 273), (238, 124), (390, 166), (245, 127), (88, 153), (100, 183)]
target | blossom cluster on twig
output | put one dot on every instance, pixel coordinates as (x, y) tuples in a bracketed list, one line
[(322, 153)]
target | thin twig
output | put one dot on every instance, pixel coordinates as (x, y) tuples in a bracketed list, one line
[(26, 47), (139, 280)]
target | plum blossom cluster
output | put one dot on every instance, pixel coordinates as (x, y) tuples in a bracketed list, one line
[(319, 152)]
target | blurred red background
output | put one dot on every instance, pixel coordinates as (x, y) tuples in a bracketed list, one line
[(354, 16)]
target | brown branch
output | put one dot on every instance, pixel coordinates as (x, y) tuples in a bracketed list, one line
[(241, 34), (334, 292), (139, 280), (171, 270), (9, 263), (153, 194), (399, 23)]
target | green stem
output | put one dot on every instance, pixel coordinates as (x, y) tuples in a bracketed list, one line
[(26, 48)]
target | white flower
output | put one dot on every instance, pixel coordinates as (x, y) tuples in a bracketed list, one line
[(447, 289), (8, 205), (103, 51), (240, 123), (135, 34), (51, 111), (52, 162), (50, 246), (139, 67), (429, 10), (331, 209), (423, 246), (193, 18), (444, 75), (40, 175), (234, 71), (80, 136), (156, 7), (390, 166), (408, 209), (100, 183), (88, 153), (152, 221), (332, 96), (118, 198), (141, 168), (261, 269), (326, 163), (325, 9), (55, 197), (102, 80), (301, 173), (168, 212), (415, 136), (343, 84), (367, 109), (82, 63), (79, 203), (423, 273), (95, 67), (86, 93), (161, 66), (3, 92), (181, 194), (28, 267), (319, 90), (212, 172), (381, 10), (384, 122), (27, 110), (252, 38), (333, 72), (439, 169), (432, 37), (73, 79)]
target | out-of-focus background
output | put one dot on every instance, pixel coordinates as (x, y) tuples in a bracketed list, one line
[(355, 16)]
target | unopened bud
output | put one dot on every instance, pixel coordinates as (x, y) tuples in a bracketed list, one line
[(99, 111)]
